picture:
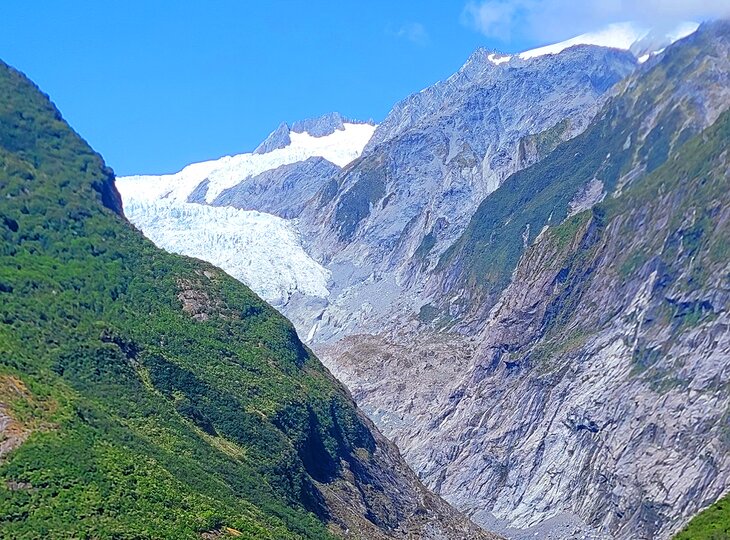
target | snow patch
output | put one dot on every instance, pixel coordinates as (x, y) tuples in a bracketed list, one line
[(497, 59)]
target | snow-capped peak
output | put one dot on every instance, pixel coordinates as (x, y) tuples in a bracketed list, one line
[(340, 147), (638, 39)]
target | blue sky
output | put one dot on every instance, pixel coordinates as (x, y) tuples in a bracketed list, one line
[(155, 85)]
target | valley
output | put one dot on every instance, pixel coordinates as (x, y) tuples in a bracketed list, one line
[(500, 312)]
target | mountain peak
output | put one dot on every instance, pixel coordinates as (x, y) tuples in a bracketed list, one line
[(279, 138), (319, 126)]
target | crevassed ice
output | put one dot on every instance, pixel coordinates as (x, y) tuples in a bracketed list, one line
[(261, 250)]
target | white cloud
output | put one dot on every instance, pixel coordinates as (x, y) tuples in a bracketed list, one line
[(414, 32), (492, 18), (545, 20)]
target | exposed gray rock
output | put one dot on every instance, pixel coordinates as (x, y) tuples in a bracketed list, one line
[(321, 126), (279, 138), (283, 191), (590, 195), (546, 397), (594, 391)]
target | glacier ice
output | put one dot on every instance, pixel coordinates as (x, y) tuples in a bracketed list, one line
[(259, 249), (262, 250)]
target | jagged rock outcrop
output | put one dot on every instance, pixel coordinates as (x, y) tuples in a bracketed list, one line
[(324, 125), (320, 126), (279, 138)]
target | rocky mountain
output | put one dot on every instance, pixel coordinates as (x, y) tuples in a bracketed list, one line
[(386, 219), (424, 171), (570, 374), (148, 395)]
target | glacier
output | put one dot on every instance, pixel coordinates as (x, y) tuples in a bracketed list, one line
[(262, 250)]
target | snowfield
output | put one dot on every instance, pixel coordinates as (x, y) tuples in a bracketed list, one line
[(340, 148)]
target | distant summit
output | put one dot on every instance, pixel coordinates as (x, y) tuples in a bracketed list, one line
[(320, 126), (642, 41)]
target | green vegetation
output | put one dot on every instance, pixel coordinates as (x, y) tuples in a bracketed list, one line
[(546, 141), (685, 250), (428, 313), (149, 395), (712, 524)]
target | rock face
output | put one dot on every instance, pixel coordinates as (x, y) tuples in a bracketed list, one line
[(596, 386), (387, 218), (593, 336), (283, 191)]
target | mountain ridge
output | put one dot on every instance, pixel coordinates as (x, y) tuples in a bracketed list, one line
[(319, 126)]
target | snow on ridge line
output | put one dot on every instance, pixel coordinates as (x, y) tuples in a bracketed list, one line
[(262, 250), (341, 148), (617, 35), (497, 59)]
